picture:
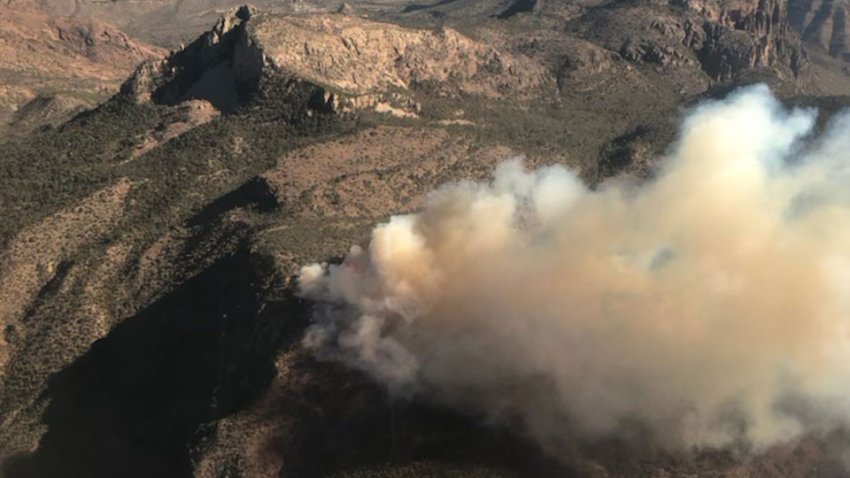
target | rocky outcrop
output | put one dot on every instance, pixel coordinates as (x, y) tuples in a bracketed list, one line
[(150, 329), (344, 63), (355, 56), (722, 38), (221, 67)]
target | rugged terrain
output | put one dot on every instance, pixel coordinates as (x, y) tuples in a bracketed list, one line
[(61, 57), (149, 326), (53, 66)]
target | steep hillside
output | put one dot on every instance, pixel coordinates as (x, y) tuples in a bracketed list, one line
[(148, 313)]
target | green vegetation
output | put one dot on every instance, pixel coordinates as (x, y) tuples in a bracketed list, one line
[(50, 169), (53, 168)]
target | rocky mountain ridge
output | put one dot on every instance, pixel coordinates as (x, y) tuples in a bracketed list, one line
[(725, 38), (355, 63)]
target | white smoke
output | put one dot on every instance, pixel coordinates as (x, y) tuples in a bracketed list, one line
[(710, 306)]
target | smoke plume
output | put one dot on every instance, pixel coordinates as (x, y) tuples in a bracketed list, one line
[(710, 306)]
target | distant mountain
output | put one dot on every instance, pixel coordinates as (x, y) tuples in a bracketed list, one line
[(52, 66)]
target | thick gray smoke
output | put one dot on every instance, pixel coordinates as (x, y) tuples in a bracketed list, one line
[(710, 305)]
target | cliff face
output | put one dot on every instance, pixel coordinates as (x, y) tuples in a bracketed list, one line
[(823, 23), (738, 35), (343, 63)]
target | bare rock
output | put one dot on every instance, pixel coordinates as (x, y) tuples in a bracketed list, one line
[(220, 67), (745, 34), (42, 54)]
